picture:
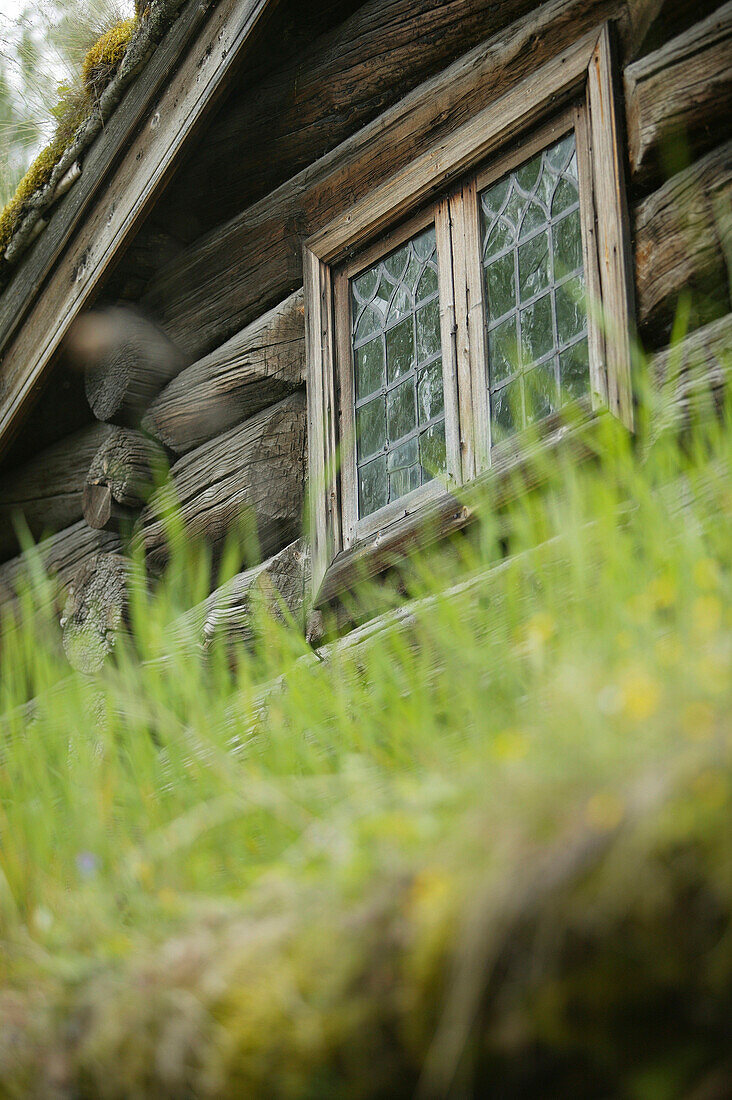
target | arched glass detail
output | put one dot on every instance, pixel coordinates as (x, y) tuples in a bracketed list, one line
[(398, 384), (535, 308)]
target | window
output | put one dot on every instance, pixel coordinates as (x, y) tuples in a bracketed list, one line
[(441, 331)]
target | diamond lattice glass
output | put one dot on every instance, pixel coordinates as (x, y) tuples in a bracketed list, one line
[(535, 311), (400, 412)]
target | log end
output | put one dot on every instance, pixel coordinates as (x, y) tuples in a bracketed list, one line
[(97, 504), (94, 611)]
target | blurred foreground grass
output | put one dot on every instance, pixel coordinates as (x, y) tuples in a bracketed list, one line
[(488, 851)]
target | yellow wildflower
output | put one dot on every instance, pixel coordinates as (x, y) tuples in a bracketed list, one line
[(640, 695), (662, 591), (509, 745)]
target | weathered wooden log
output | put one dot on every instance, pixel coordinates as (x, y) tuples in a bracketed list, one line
[(253, 472), (346, 78), (127, 360), (95, 611), (683, 236), (121, 477), (58, 558), (47, 491), (261, 364), (227, 616), (692, 377), (247, 265), (679, 98)]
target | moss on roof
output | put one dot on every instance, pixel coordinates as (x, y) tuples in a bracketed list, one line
[(75, 104)]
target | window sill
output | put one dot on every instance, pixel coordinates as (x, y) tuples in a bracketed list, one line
[(515, 468)]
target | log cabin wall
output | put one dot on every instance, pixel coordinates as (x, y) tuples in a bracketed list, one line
[(214, 415)]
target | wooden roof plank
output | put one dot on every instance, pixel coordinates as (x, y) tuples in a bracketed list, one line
[(117, 131), (164, 131)]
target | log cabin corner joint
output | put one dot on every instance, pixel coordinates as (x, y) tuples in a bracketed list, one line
[(470, 307)]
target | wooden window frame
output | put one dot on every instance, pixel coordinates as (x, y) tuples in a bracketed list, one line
[(576, 90)]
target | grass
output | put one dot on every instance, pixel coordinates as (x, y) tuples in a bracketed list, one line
[(488, 852)]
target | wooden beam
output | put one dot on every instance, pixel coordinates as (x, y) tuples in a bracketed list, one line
[(345, 78), (189, 93), (679, 98), (652, 23), (47, 491), (683, 234), (613, 226), (278, 584), (253, 472), (692, 377), (58, 557), (230, 277), (261, 364)]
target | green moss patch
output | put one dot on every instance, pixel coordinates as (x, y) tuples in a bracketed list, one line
[(75, 105)]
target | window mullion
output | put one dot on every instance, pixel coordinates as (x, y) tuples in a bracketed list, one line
[(462, 365), (595, 324), (478, 358), (449, 339)]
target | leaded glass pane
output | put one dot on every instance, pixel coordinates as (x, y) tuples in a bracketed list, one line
[(401, 415), (574, 364), (400, 410), (535, 307), (369, 367), (373, 488), (432, 450), (537, 338), (370, 427)]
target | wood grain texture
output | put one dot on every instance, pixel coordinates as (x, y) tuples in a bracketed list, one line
[(261, 364), (109, 223), (47, 491), (59, 557), (683, 237), (127, 360), (613, 225), (253, 474), (277, 586), (679, 98), (691, 378), (121, 477), (322, 416), (95, 610), (231, 276), (344, 79)]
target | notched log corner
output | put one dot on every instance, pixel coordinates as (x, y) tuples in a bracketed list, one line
[(126, 359), (121, 478), (683, 237)]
